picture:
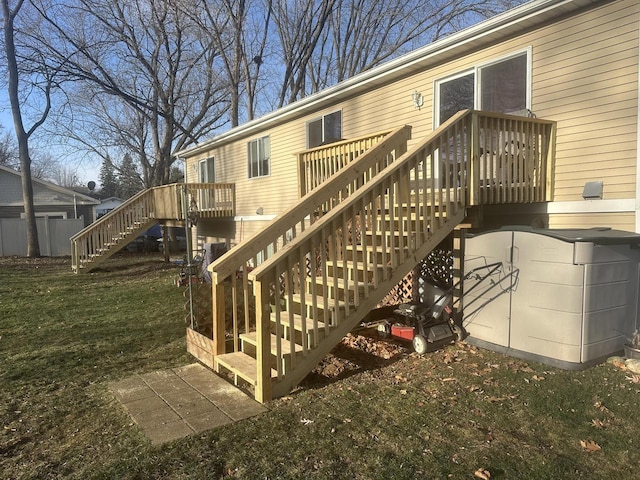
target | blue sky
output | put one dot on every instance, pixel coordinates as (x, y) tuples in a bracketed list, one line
[(85, 169)]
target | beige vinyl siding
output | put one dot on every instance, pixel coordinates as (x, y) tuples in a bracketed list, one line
[(618, 221), (584, 76)]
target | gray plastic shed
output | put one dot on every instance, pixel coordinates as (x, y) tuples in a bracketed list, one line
[(563, 297)]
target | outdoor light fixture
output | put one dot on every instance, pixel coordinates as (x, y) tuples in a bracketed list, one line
[(418, 99), (259, 211), (593, 190)]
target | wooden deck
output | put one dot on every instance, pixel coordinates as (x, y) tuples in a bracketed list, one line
[(169, 205), (357, 231)]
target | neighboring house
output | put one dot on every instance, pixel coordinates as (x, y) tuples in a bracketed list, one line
[(108, 204), (60, 213), (49, 200), (571, 61)]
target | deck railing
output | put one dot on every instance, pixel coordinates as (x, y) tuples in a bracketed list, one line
[(382, 229), (113, 231), (230, 272), (513, 159), (316, 165)]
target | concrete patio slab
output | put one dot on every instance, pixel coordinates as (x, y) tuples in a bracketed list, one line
[(171, 404)]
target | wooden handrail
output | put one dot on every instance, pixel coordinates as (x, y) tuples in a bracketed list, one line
[(236, 263), (317, 164), (295, 217)]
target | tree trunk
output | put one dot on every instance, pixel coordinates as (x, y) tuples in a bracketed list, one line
[(33, 246)]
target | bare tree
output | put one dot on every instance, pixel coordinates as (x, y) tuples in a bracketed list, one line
[(239, 30), (8, 149), (64, 175), (145, 60), (332, 40), (40, 79), (300, 25)]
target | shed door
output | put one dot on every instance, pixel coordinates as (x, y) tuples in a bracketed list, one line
[(546, 312), (487, 301)]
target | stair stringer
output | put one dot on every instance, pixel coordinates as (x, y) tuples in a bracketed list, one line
[(303, 367)]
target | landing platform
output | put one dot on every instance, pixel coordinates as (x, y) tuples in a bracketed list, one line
[(171, 404)]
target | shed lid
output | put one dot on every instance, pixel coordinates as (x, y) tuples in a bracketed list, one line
[(598, 235)]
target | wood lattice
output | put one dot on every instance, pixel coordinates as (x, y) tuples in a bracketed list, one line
[(202, 312), (202, 309), (435, 269)]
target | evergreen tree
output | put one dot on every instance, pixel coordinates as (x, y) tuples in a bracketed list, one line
[(108, 180), (129, 181), (176, 175)]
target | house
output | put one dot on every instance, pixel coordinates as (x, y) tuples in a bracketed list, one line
[(528, 118), (49, 200), (574, 62), (107, 204), (60, 213)]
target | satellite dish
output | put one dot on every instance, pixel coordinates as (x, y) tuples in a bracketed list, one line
[(91, 185)]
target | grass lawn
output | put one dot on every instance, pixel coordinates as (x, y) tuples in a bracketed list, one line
[(460, 413)]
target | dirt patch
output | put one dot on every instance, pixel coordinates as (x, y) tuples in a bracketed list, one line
[(357, 352)]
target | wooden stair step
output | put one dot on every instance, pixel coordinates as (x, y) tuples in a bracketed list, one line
[(314, 336), (297, 305), (241, 365), (406, 234), (354, 269), (297, 322), (285, 345), (337, 287), (297, 299), (379, 249)]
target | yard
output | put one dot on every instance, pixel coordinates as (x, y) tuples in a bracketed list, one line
[(457, 413)]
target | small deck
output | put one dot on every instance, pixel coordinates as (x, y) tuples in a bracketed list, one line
[(171, 205)]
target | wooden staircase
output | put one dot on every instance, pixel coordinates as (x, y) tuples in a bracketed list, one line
[(387, 211), (165, 205)]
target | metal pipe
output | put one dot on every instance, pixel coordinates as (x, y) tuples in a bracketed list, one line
[(185, 207)]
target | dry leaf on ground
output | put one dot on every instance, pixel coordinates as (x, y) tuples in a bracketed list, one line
[(590, 446), (598, 404), (599, 423), (482, 473)]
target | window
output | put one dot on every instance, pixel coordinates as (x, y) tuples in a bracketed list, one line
[(455, 95), (207, 171), (501, 86), (323, 130), (259, 154)]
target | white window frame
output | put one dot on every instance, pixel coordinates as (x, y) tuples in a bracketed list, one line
[(477, 86), (440, 81), (203, 168), (478, 78), (322, 123), (260, 142), (477, 81)]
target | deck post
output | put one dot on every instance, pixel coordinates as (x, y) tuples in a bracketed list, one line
[(302, 177), (551, 161), (474, 164), (218, 314), (263, 344)]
